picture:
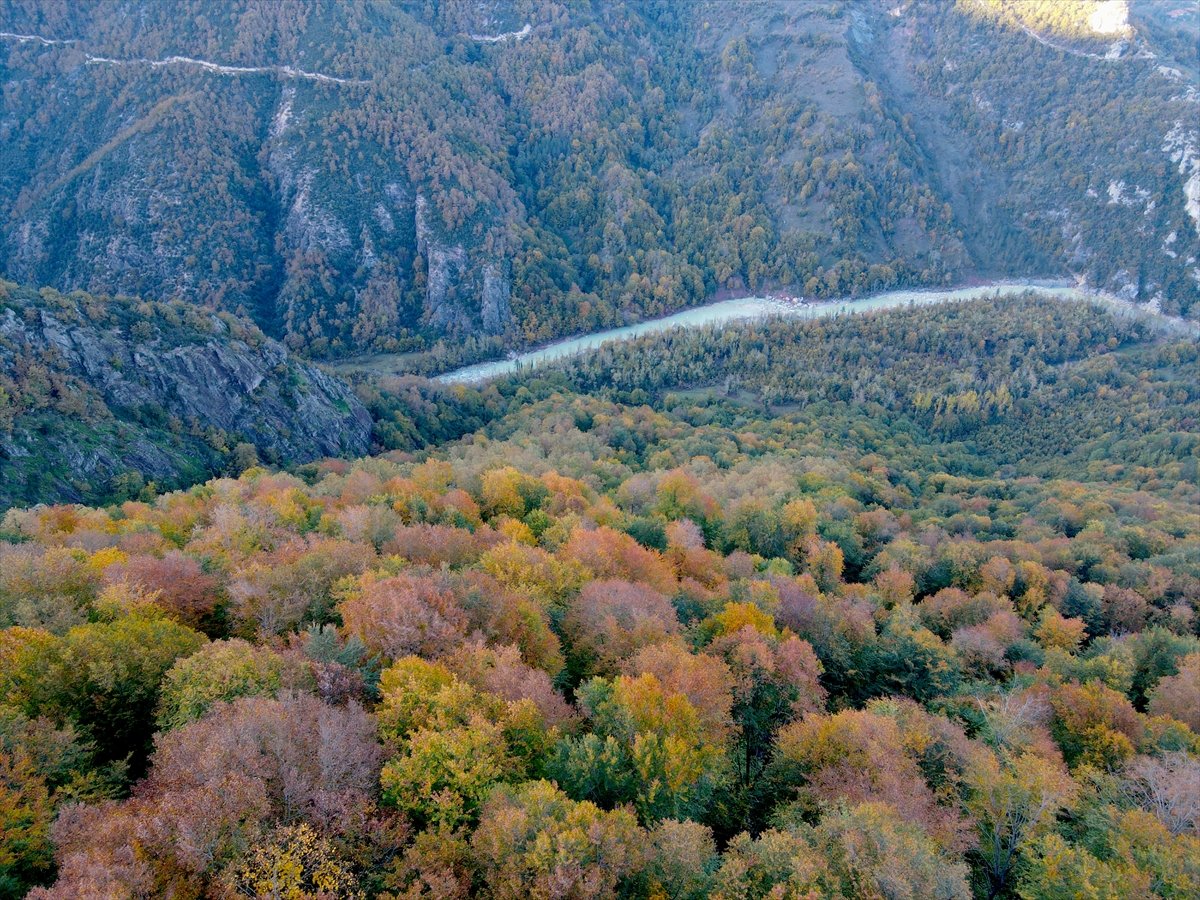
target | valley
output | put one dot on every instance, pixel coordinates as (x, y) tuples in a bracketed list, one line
[(353, 204), (602, 450)]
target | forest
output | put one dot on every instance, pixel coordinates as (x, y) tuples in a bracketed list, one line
[(902, 605), (897, 606), (433, 178)]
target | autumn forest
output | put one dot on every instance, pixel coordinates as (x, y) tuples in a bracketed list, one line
[(890, 604)]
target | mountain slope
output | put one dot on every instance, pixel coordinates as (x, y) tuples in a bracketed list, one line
[(360, 176), (100, 394)]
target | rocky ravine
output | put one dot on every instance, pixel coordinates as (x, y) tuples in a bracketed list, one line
[(166, 395)]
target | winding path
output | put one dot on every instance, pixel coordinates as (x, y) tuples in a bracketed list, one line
[(286, 71), (206, 65), (1116, 50), (35, 38)]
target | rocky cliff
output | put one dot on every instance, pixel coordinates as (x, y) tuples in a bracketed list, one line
[(99, 395)]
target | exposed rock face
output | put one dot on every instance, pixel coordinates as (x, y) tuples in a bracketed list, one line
[(459, 296), (444, 263), (495, 309), (163, 398)]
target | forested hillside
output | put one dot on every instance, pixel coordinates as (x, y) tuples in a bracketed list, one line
[(364, 175), (901, 605), (107, 398), (1028, 385)]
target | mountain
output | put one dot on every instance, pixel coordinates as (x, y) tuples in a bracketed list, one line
[(100, 395), (368, 176)]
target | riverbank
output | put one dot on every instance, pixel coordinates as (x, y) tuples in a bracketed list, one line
[(752, 308)]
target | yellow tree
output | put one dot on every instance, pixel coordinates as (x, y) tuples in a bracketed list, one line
[(295, 864), (1013, 801)]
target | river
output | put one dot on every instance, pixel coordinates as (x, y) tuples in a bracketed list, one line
[(751, 308)]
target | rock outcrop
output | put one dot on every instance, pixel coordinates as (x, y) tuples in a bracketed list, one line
[(107, 387), (460, 296)]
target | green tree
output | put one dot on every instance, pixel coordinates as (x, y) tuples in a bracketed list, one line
[(442, 777), (534, 841), (105, 677), (647, 747), (220, 671), (26, 854)]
